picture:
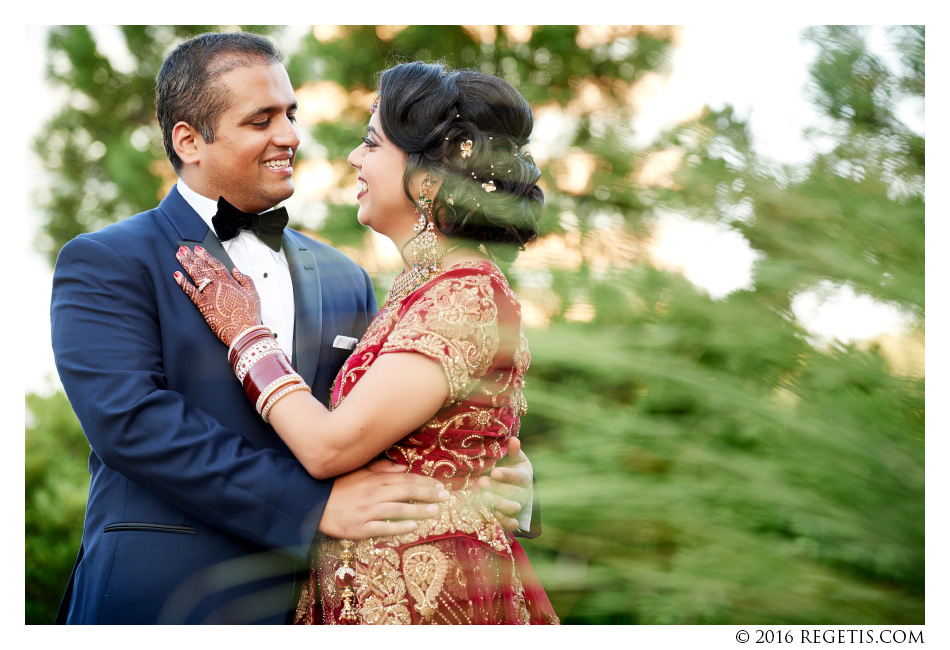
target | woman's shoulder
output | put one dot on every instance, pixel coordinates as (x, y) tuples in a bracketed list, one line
[(480, 281), (482, 271)]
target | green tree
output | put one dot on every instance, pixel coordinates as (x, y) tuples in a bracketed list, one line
[(744, 474), (57, 482)]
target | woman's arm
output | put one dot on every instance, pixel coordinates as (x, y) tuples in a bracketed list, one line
[(399, 393)]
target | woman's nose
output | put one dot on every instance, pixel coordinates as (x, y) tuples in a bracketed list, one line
[(355, 159)]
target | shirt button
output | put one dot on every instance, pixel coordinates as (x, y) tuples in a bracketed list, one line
[(265, 275)]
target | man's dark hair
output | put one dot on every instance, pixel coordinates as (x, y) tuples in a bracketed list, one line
[(189, 88)]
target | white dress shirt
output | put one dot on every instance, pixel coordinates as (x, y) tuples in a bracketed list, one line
[(267, 267)]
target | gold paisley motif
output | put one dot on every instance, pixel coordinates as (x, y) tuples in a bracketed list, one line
[(456, 582), (425, 568)]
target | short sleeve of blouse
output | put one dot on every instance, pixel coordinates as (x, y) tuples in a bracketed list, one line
[(455, 322)]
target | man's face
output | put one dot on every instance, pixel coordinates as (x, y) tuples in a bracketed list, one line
[(250, 163)]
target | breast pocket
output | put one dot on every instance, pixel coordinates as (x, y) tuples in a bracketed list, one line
[(144, 527), (338, 357)]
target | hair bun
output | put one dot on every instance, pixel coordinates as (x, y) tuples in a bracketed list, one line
[(433, 113)]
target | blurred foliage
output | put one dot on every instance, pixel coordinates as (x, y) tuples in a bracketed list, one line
[(548, 65), (855, 214), (701, 460), (744, 475), (57, 482)]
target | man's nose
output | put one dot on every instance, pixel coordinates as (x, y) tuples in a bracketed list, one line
[(287, 135)]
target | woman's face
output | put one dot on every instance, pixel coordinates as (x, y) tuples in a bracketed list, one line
[(384, 206)]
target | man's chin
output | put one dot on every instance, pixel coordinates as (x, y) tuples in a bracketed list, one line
[(278, 196)]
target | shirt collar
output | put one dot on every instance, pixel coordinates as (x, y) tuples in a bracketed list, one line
[(205, 207)]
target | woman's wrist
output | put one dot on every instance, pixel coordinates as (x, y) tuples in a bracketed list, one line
[(247, 337), (276, 397), (263, 369), (253, 352)]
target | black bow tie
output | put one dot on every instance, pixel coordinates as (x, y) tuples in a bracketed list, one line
[(229, 222)]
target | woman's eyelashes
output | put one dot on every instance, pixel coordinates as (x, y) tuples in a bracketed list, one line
[(369, 143)]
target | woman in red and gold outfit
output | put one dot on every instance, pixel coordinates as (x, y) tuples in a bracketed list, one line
[(436, 382)]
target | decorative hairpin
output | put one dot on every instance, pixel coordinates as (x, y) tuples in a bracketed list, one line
[(451, 200), (489, 186), (372, 109), (467, 148)]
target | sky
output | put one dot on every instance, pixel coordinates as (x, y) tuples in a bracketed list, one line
[(768, 88)]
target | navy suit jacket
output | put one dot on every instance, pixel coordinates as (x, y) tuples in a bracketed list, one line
[(197, 512)]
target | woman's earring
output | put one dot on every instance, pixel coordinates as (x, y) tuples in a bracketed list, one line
[(425, 255)]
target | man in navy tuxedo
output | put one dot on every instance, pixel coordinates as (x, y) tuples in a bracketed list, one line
[(197, 512)]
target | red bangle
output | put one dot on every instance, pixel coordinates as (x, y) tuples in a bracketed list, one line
[(265, 372), (263, 369), (253, 353), (247, 338)]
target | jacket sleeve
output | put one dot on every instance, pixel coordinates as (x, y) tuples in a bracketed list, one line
[(371, 308), (107, 340)]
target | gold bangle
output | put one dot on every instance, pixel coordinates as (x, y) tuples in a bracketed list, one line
[(277, 396), (273, 386)]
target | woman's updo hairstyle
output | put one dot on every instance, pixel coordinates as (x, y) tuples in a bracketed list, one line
[(430, 112)]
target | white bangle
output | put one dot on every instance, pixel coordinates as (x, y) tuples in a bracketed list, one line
[(270, 389), (253, 354), (276, 397), (241, 335)]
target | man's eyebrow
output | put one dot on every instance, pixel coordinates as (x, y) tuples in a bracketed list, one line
[(270, 110)]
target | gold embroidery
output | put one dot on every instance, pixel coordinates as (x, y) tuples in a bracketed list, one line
[(457, 582), (438, 449), (432, 574), (304, 615), (425, 568), (385, 582), (455, 322)]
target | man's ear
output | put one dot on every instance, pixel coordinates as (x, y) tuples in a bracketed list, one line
[(187, 142)]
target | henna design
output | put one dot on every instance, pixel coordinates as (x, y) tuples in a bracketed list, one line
[(228, 304)]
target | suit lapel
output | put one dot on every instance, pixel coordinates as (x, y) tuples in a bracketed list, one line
[(192, 230), (211, 244), (308, 307)]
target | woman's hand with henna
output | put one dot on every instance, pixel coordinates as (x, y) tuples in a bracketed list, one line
[(229, 305)]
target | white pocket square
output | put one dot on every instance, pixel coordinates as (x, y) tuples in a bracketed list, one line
[(345, 342)]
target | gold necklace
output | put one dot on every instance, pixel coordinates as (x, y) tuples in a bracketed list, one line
[(413, 277)]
